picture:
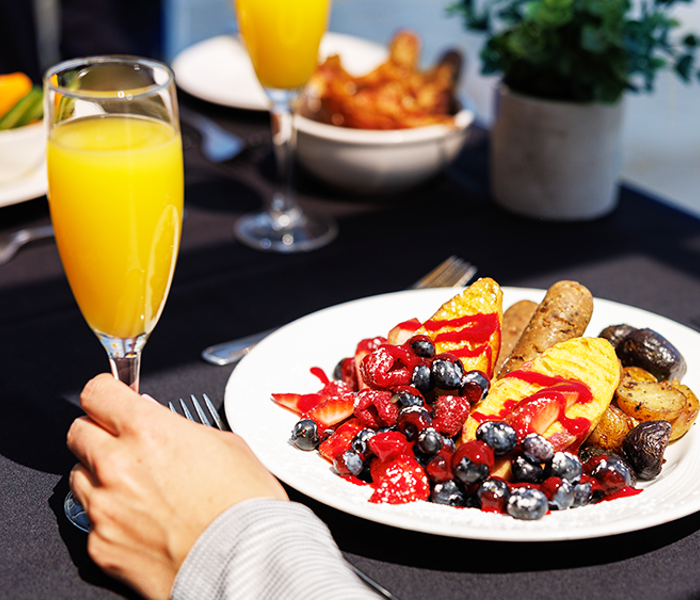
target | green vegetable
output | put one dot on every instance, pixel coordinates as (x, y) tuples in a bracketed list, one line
[(28, 109), (578, 50)]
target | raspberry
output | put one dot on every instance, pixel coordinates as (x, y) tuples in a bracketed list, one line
[(386, 367), (449, 414), (375, 409)]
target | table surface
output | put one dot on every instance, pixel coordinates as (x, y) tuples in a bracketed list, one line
[(645, 254)]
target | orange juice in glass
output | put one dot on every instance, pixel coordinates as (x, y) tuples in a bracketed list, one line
[(120, 176), (282, 38)]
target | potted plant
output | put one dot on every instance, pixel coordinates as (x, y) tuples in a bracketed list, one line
[(565, 67)]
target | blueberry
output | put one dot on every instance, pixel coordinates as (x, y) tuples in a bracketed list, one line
[(499, 435), (613, 474), (348, 463), (412, 420), (468, 471), (475, 386), (305, 435), (403, 398), (583, 494), (447, 371), (422, 379), (561, 493), (429, 441), (564, 465), (448, 492), (449, 443), (422, 345), (493, 494), (537, 448), (525, 471), (360, 442), (526, 503)]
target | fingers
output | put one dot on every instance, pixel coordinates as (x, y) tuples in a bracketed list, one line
[(84, 440), (114, 405), (82, 482)]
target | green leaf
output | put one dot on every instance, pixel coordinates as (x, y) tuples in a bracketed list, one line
[(684, 67), (581, 50)]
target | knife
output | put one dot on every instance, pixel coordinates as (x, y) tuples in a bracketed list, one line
[(228, 353)]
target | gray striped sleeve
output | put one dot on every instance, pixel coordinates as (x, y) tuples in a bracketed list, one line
[(267, 550)]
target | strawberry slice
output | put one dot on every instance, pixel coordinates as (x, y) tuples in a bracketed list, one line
[(336, 389), (298, 403), (399, 481), (332, 411), (403, 332), (536, 413), (388, 445), (340, 440)]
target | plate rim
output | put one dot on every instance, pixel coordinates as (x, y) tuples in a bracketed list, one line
[(29, 186), (192, 52), (522, 532)]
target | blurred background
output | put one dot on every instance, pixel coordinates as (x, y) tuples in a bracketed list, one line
[(661, 130)]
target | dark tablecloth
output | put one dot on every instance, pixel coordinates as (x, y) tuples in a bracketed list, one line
[(645, 254)]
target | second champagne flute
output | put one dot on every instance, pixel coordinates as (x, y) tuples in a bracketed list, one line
[(115, 173), (282, 39)]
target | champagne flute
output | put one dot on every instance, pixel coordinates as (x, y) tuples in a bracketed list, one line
[(282, 39), (115, 173)]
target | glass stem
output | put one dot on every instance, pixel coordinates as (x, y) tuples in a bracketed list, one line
[(125, 357), (127, 369), (283, 206)]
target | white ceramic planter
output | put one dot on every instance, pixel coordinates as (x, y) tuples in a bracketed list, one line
[(555, 160)]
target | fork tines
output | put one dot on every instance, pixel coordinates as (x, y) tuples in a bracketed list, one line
[(203, 419), (452, 272)]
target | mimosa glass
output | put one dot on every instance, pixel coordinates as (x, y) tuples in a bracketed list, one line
[(282, 38), (115, 173)]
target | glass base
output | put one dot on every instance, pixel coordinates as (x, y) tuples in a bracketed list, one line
[(308, 233), (75, 513)]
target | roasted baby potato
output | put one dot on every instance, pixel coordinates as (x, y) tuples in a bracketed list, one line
[(682, 423), (616, 333), (649, 400), (651, 351), (612, 429), (644, 448), (638, 374)]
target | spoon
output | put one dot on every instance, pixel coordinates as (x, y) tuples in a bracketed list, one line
[(218, 144), (10, 245)]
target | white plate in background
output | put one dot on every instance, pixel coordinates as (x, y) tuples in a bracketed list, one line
[(32, 185), (219, 70)]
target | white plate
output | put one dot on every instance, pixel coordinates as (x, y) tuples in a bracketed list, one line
[(29, 186), (219, 70), (281, 363)]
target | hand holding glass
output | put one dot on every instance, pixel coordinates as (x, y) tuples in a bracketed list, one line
[(116, 188)]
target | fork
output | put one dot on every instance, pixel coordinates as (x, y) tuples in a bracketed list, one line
[(452, 272), (11, 244), (203, 419), (214, 415)]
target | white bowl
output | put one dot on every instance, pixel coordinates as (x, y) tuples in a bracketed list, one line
[(21, 151), (372, 161)]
